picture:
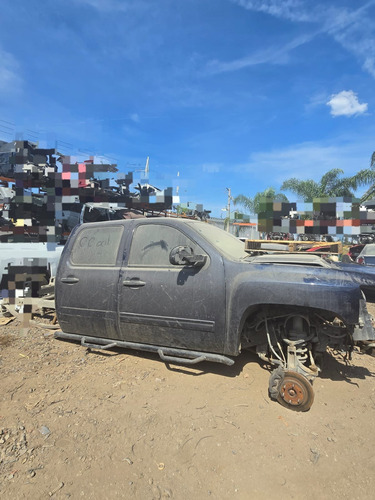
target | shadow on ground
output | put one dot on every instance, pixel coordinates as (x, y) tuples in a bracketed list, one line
[(338, 369), (335, 367)]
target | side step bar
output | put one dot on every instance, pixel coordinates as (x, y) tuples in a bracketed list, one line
[(167, 354)]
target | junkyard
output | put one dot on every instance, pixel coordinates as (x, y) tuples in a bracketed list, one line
[(126, 410), (187, 249), (119, 424)]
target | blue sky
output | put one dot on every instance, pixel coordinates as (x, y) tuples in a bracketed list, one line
[(226, 93)]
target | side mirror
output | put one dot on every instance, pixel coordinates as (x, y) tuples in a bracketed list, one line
[(184, 256)]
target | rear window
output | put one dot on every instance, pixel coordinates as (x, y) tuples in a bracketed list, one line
[(96, 246), (369, 250)]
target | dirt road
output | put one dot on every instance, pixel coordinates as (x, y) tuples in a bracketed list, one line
[(79, 424)]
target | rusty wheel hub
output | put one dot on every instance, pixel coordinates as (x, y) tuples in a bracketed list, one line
[(295, 392), (292, 393)]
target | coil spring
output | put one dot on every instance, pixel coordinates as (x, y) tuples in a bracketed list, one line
[(299, 326)]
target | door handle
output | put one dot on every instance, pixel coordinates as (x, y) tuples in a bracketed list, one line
[(70, 279), (134, 283)]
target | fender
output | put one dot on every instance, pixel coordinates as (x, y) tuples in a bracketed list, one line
[(293, 286)]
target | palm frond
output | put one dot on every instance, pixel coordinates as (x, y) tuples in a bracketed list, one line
[(256, 204), (330, 179), (245, 202), (307, 190)]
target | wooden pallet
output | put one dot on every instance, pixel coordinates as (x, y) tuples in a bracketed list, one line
[(294, 246)]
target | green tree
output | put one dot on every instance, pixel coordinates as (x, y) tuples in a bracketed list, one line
[(331, 184), (371, 176), (252, 205)]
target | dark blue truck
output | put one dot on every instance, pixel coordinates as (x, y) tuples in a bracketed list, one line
[(188, 291)]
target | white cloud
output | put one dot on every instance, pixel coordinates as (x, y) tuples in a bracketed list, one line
[(10, 81), (309, 160), (369, 64), (294, 10), (346, 103), (353, 29), (271, 55)]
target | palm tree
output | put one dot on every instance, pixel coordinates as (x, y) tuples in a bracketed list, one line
[(253, 205), (245, 202), (331, 184), (371, 175)]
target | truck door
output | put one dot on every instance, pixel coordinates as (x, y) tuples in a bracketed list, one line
[(87, 280), (168, 305)]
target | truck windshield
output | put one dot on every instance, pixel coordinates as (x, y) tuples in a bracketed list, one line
[(226, 243)]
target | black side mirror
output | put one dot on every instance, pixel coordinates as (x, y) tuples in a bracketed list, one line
[(184, 256)]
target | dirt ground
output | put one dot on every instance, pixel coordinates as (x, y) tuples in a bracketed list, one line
[(122, 424)]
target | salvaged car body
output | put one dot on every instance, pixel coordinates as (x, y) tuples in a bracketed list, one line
[(188, 291)]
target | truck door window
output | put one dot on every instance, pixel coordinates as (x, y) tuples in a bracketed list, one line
[(151, 245), (96, 246)]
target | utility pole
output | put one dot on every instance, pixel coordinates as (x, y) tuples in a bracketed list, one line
[(228, 208)]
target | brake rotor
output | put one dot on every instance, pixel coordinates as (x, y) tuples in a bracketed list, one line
[(295, 392)]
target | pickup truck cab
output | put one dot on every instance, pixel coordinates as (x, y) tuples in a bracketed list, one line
[(188, 291)]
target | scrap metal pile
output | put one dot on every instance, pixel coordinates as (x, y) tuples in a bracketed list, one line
[(39, 201), (42, 196)]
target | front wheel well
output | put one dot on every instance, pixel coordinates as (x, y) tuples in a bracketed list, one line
[(321, 319), (276, 309), (293, 339)]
